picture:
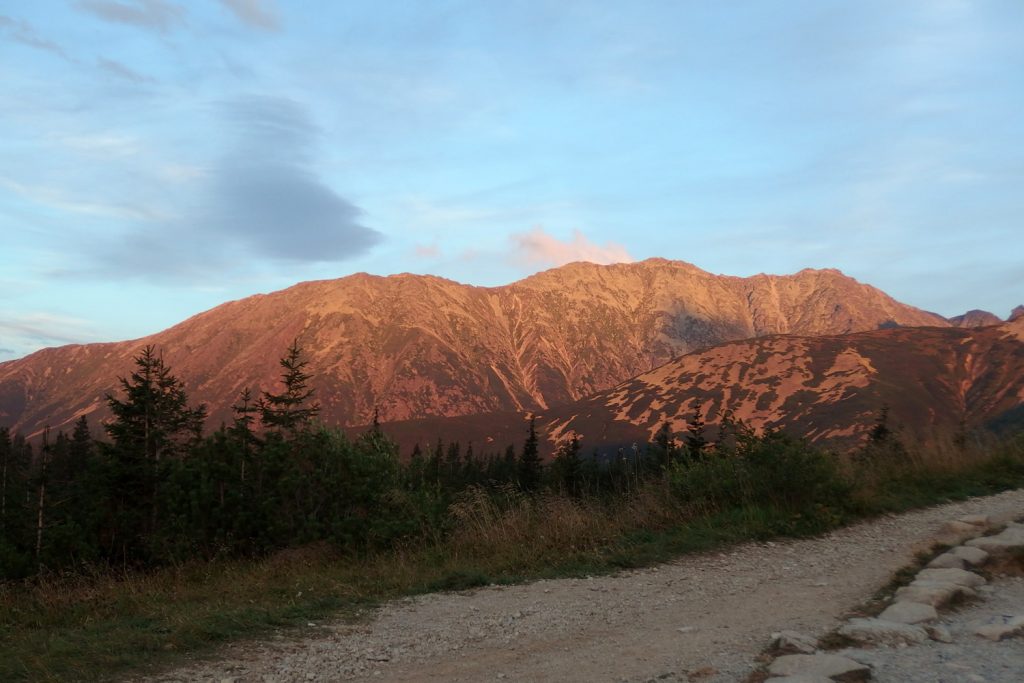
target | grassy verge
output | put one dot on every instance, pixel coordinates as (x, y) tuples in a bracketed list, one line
[(91, 627)]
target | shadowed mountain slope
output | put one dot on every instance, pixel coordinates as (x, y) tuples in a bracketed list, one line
[(415, 346), (825, 388)]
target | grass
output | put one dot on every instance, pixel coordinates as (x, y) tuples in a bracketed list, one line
[(90, 627)]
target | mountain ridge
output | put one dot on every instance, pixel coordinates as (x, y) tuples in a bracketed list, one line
[(412, 346), (935, 382)]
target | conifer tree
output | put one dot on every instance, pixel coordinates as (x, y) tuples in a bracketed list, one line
[(291, 411), (696, 443), (567, 468), (6, 475), (880, 432), (664, 446), (530, 467), (154, 419), (151, 423)]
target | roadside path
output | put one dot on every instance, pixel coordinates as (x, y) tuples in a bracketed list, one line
[(700, 618)]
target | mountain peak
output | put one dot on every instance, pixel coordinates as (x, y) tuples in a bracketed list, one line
[(975, 318), (415, 346)]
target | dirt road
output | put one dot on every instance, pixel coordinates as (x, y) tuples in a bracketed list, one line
[(700, 618)]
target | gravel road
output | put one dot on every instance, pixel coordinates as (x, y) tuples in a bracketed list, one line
[(701, 618)]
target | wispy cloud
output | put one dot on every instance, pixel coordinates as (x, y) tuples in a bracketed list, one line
[(537, 248), (28, 332), (255, 13), (58, 199), (153, 15), (116, 68), (22, 32)]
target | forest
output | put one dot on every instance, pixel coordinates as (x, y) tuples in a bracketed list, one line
[(157, 490)]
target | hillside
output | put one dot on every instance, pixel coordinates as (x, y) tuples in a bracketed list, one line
[(414, 346), (825, 388)]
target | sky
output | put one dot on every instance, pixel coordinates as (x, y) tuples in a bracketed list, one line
[(160, 157)]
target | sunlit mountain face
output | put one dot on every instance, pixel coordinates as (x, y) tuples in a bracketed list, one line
[(411, 346)]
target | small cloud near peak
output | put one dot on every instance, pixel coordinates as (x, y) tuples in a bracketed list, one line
[(537, 248), (427, 251)]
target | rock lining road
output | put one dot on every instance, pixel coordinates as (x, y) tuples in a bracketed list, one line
[(703, 617)]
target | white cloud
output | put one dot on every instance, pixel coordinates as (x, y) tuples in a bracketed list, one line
[(538, 248)]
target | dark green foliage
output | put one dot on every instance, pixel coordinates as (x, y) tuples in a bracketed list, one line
[(16, 550), (292, 410), (153, 425), (773, 472), (531, 468), (880, 432), (695, 442), (663, 451), (566, 469)]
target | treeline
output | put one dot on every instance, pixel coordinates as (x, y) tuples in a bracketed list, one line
[(156, 490)]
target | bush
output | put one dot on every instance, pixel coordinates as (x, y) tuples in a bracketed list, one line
[(773, 472)]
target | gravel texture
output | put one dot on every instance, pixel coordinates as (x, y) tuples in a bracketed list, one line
[(701, 618)]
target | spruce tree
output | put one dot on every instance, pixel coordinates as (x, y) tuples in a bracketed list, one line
[(566, 468), (293, 410), (664, 447), (530, 467), (880, 432), (153, 420), (151, 423), (696, 443)]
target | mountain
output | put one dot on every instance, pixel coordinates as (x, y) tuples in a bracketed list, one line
[(1016, 313), (417, 345), (829, 387), (975, 318)]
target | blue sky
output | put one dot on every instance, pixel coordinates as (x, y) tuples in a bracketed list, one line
[(160, 157)]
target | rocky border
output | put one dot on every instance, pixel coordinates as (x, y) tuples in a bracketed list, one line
[(912, 615)]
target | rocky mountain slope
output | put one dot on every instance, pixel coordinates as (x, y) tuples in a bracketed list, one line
[(975, 318), (829, 387), (414, 346)]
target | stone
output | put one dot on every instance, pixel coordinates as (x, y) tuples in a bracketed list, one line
[(834, 667), (938, 633), (982, 521), (957, 528), (800, 679), (880, 632), (947, 561), (793, 643), (972, 556), (1001, 544), (909, 613), (960, 577), (1002, 627), (934, 593)]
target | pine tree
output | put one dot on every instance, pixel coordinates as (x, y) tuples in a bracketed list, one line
[(292, 410), (530, 468), (664, 447), (154, 419), (566, 468), (696, 443), (6, 475), (880, 433), (151, 423)]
